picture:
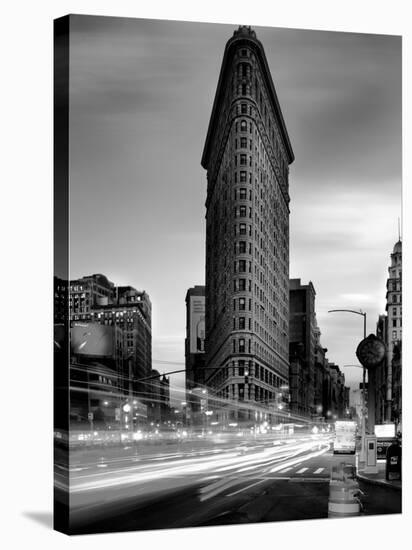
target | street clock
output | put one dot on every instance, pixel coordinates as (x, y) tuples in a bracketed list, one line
[(371, 351)]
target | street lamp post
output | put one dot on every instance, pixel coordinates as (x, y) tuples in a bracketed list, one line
[(363, 427), (363, 390)]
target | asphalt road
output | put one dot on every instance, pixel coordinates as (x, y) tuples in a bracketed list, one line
[(246, 482)]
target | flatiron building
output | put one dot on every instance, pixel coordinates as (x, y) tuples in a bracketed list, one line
[(247, 156)]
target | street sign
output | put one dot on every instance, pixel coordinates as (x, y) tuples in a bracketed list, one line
[(382, 445), (117, 413), (90, 416)]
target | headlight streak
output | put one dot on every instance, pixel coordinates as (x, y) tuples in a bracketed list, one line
[(145, 473)]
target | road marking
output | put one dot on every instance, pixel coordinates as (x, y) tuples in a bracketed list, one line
[(285, 470), (209, 491), (102, 465), (318, 471), (301, 470), (245, 488)]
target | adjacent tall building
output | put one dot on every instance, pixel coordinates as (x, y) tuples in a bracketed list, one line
[(394, 333), (303, 337), (247, 156), (389, 329), (110, 330)]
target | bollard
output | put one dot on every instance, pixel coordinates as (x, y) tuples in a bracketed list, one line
[(343, 493)]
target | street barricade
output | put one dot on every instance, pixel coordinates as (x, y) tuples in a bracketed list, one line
[(343, 492)]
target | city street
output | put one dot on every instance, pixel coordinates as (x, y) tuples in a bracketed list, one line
[(204, 483)]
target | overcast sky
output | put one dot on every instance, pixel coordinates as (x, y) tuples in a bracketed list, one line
[(141, 97)]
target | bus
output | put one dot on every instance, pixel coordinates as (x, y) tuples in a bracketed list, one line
[(345, 437)]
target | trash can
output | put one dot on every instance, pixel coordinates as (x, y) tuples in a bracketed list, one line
[(393, 462)]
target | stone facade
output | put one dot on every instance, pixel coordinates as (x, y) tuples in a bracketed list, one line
[(303, 334), (95, 299), (246, 155), (389, 330)]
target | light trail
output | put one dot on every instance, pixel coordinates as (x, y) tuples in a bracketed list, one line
[(144, 475)]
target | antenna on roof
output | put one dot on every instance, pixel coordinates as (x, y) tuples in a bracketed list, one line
[(399, 229)]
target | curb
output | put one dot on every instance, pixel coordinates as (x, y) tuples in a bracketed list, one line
[(381, 482)]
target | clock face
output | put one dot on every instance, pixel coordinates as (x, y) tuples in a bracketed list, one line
[(371, 351)]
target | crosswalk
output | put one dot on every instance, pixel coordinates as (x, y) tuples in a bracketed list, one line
[(307, 471)]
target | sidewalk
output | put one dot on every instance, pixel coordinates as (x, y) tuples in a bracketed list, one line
[(379, 478)]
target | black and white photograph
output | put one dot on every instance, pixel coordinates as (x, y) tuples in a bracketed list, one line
[(228, 312), (209, 204)]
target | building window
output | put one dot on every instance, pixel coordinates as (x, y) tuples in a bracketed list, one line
[(241, 365), (243, 126), (243, 196), (394, 335), (242, 211), (241, 345), (243, 160), (241, 392), (242, 247), (244, 106), (243, 143), (242, 323), (242, 284), (242, 266), (394, 322), (243, 176), (242, 229), (242, 304)]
